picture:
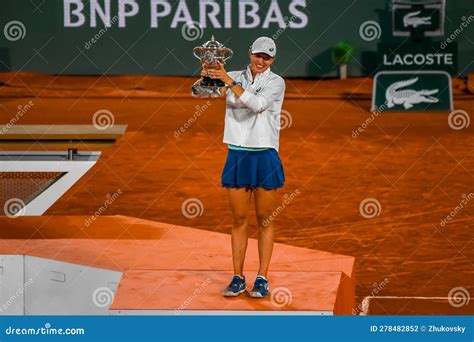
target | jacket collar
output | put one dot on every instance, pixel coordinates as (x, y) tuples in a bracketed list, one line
[(258, 76)]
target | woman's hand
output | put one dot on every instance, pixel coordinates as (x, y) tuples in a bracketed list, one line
[(218, 73), (205, 70)]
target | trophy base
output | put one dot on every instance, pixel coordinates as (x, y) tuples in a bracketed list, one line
[(203, 91)]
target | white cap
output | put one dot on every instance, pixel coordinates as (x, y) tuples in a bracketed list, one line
[(265, 45)]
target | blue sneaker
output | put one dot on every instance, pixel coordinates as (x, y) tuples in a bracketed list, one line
[(260, 288), (236, 287)]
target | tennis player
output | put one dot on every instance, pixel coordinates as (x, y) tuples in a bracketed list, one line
[(253, 166)]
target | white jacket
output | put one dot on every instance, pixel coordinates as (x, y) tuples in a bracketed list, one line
[(253, 120)]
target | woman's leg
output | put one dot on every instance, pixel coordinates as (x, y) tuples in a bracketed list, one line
[(264, 207), (240, 204)]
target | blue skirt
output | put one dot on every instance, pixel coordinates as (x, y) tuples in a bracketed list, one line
[(251, 169)]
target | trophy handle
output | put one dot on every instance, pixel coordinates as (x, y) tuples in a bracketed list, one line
[(203, 54), (231, 53), (195, 50)]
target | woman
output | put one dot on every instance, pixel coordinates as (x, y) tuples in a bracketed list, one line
[(252, 126)]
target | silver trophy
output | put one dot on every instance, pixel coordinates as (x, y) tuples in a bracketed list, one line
[(209, 53)]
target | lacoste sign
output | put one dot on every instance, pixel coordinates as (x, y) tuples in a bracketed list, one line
[(412, 91), (418, 56)]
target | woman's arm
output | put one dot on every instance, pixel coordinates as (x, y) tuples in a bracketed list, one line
[(256, 103), (221, 73), (267, 96), (206, 72)]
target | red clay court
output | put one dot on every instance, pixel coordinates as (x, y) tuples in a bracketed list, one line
[(413, 164)]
